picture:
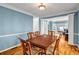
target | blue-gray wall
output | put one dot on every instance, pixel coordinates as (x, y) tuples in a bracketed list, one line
[(12, 22), (76, 27)]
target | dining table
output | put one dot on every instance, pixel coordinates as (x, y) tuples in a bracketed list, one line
[(42, 41)]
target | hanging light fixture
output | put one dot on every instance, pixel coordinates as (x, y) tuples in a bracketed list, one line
[(42, 6)]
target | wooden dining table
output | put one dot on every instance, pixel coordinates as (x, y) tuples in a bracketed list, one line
[(42, 41)]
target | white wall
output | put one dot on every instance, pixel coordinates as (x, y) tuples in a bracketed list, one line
[(71, 29), (44, 26), (35, 24)]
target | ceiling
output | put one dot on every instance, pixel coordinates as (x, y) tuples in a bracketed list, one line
[(52, 9), (59, 19)]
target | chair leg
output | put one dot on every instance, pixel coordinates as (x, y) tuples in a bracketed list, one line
[(42, 52), (30, 48)]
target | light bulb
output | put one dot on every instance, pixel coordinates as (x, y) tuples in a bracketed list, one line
[(42, 8)]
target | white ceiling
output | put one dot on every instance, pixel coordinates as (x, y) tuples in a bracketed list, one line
[(52, 9), (59, 19)]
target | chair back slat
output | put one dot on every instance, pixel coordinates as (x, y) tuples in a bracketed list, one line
[(32, 35), (37, 33)]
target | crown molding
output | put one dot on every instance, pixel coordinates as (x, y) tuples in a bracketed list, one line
[(15, 9)]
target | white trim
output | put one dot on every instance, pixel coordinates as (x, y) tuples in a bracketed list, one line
[(10, 48), (13, 34), (13, 8)]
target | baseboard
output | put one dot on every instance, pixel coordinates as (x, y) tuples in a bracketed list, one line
[(10, 48)]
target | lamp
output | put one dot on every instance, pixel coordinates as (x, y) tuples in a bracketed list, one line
[(42, 6)]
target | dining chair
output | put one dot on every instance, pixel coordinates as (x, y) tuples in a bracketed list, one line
[(27, 50), (37, 33), (66, 37), (30, 35), (49, 32), (52, 33), (56, 49)]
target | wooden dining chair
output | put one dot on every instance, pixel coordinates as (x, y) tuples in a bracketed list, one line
[(49, 32), (27, 50), (37, 33), (56, 49), (30, 35), (52, 33)]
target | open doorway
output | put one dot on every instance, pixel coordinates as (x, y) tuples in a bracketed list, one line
[(58, 25)]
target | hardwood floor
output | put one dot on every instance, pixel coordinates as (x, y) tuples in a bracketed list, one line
[(14, 51), (67, 49), (17, 51)]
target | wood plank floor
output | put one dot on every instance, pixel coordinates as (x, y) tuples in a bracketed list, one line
[(14, 51), (18, 51)]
